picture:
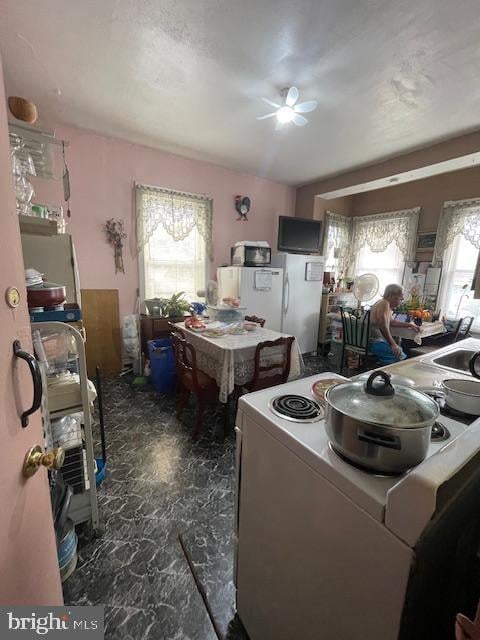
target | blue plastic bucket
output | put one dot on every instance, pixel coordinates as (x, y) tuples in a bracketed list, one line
[(162, 365), (101, 471)]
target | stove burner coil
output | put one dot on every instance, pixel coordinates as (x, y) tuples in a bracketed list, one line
[(297, 408)]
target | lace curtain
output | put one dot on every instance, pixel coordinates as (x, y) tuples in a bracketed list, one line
[(380, 230), (460, 217), (177, 212), (337, 241)]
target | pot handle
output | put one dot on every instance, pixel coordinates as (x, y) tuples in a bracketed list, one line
[(472, 363), (383, 390)]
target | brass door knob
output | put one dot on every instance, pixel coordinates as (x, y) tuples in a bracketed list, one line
[(37, 458)]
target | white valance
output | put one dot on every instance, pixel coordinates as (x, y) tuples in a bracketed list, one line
[(176, 211), (459, 217), (337, 240), (380, 230)]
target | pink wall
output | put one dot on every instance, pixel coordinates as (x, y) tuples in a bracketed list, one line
[(102, 172)]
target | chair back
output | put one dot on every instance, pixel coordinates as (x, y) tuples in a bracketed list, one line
[(177, 330), (463, 328), (185, 358), (259, 321), (356, 330), (280, 360)]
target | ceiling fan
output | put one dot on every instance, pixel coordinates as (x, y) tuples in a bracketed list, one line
[(289, 110)]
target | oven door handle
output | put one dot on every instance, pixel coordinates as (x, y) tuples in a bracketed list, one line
[(36, 377)]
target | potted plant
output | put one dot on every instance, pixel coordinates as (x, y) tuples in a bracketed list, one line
[(176, 307), (161, 312)]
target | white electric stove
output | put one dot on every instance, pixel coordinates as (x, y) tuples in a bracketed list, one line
[(328, 551)]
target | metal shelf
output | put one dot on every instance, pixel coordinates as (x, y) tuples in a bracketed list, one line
[(84, 505), (38, 226), (66, 411)]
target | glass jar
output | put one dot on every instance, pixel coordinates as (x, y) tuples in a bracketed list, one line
[(22, 168)]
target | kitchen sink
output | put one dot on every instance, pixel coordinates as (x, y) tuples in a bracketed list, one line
[(458, 360), (454, 358)]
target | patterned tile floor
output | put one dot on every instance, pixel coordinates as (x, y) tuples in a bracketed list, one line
[(162, 491)]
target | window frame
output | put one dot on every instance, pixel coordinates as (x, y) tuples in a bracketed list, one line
[(141, 274), (448, 285)]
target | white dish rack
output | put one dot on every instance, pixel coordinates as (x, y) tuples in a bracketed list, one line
[(74, 395)]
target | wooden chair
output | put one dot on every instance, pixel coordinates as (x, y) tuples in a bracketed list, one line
[(356, 334), (174, 329), (192, 380), (432, 343), (259, 321), (464, 327), (283, 348)]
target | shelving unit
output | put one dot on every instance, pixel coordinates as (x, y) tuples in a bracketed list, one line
[(79, 467), (38, 226), (332, 302)]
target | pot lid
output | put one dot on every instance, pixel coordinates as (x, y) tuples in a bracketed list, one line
[(378, 401)]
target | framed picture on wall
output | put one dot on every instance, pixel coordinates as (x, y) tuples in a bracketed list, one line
[(426, 241)]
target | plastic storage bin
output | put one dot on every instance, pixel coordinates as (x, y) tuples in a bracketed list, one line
[(162, 364)]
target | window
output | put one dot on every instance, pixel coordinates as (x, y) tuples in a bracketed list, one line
[(382, 242), (459, 266), (171, 266), (387, 265), (174, 234)]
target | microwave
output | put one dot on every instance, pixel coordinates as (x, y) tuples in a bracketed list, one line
[(250, 256)]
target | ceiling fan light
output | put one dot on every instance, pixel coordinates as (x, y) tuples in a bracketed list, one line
[(285, 114)]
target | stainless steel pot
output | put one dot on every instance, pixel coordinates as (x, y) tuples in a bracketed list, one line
[(383, 427), (462, 395)]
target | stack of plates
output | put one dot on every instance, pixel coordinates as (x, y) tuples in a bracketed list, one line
[(33, 278)]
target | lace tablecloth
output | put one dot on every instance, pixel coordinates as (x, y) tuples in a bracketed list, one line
[(426, 329), (230, 360)]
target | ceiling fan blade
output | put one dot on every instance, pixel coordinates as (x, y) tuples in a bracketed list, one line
[(299, 120), (292, 96), (271, 103), (269, 115), (305, 107)]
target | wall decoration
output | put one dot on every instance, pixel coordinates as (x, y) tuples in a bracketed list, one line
[(115, 236), (242, 206), (426, 241)]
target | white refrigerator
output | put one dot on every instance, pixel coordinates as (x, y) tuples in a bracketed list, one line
[(302, 296), (260, 290)]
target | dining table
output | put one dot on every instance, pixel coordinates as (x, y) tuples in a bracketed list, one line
[(427, 329), (230, 359)]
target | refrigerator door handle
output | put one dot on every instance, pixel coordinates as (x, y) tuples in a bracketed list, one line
[(287, 294)]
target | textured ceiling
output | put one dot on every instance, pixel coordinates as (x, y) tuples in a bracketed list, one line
[(187, 76)]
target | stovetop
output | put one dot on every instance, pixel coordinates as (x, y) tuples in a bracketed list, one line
[(416, 489)]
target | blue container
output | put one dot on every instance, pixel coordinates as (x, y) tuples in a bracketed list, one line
[(162, 365)]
